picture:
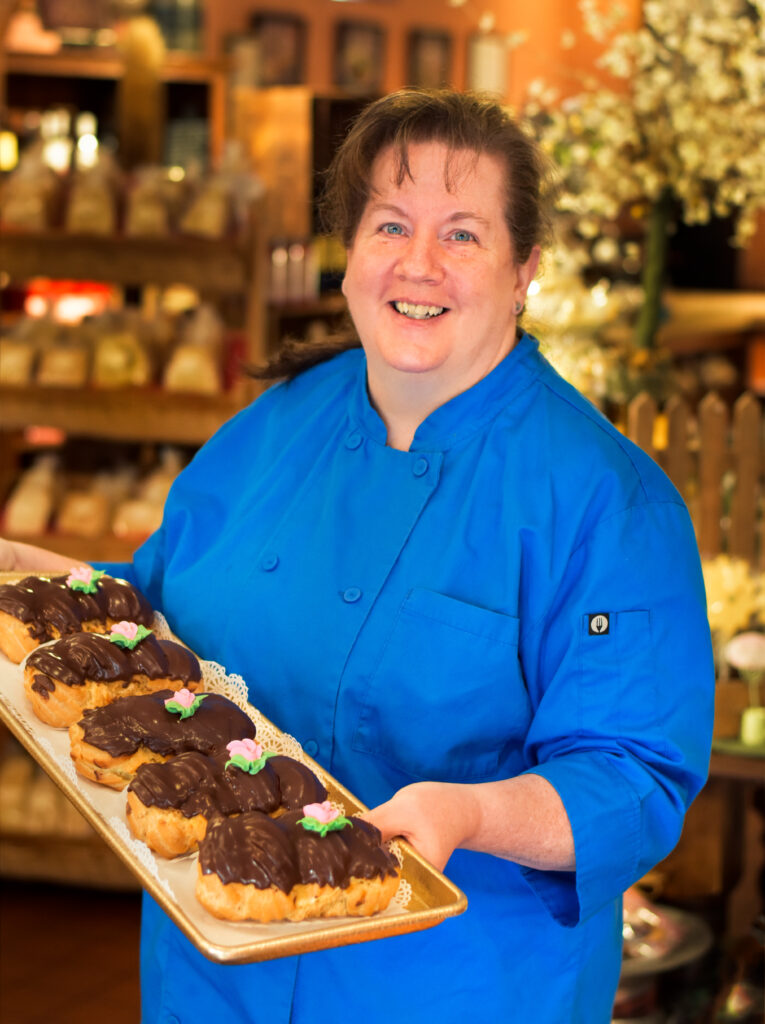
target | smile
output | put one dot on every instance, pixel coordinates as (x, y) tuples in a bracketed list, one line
[(417, 312)]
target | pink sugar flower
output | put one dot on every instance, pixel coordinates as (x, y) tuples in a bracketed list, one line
[(183, 697), (126, 629), (247, 748), (79, 575), (324, 812)]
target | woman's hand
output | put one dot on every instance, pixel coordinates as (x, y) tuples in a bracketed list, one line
[(521, 819), (18, 557), (435, 817)]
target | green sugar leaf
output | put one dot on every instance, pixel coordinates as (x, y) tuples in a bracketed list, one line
[(251, 767)]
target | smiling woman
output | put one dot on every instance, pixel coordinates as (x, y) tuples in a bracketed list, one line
[(433, 284), (419, 535)]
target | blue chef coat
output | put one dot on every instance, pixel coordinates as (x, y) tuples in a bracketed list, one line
[(429, 615)]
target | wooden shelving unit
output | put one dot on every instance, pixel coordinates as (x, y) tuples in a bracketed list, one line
[(210, 266), (130, 414), (230, 272), (105, 548), (217, 269), (105, 62)]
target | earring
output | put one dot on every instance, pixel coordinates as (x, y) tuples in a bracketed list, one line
[(518, 308)]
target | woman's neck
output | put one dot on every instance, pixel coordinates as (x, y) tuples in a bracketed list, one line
[(403, 404)]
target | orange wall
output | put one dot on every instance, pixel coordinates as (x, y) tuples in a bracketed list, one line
[(542, 20)]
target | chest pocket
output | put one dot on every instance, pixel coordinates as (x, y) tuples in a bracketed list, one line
[(447, 697)]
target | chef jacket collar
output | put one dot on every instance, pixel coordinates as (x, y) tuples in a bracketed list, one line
[(461, 415)]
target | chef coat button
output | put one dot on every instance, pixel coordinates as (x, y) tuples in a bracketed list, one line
[(353, 440), (269, 563), (420, 467), (351, 595), (311, 747)]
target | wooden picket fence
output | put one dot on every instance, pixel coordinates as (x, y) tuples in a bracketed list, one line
[(715, 456)]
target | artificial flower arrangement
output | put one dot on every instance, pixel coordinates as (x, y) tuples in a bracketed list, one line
[(679, 134)]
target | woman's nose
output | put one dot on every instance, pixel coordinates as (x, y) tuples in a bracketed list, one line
[(420, 260)]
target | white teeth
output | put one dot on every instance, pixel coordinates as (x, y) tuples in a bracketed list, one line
[(417, 312)]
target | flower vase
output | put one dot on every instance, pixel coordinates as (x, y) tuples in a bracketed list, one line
[(753, 717)]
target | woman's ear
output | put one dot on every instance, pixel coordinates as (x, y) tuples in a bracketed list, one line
[(342, 283), (526, 273)]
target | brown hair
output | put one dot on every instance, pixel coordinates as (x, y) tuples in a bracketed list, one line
[(460, 121)]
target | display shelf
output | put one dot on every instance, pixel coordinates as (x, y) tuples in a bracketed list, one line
[(105, 62), (696, 319), (129, 414), (42, 835), (104, 548), (51, 858), (209, 266), (732, 760)]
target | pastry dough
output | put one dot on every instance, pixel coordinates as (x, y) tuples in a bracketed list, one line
[(42, 608), (109, 743), (253, 867), (170, 805), (88, 670)]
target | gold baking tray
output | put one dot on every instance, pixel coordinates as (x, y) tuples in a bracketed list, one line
[(171, 883)]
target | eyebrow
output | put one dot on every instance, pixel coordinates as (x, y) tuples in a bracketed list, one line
[(457, 216)]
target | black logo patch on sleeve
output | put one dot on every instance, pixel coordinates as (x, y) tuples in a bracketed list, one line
[(599, 623)]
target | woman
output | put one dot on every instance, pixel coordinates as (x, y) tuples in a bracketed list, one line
[(472, 600)]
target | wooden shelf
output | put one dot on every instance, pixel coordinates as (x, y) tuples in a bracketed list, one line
[(86, 862), (105, 548), (699, 313), (209, 266), (106, 63), (732, 760), (128, 414)]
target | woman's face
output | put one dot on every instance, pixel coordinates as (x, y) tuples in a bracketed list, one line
[(432, 281)]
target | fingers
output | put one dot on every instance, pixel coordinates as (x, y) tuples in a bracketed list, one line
[(392, 821), (382, 817)]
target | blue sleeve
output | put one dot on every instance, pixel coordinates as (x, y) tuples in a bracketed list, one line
[(623, 719)]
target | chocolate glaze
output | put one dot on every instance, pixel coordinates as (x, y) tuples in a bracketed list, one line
[(251, 848), (44, 603), (193, 783), (128, 723), (351, 852), (297, 783), (201, 785), (43, 685), (261, 851), (73, 659)]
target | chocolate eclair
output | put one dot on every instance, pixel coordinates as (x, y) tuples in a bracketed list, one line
[(42, 608), (305, 864), (108, 743), (89, 670), (170, 805)]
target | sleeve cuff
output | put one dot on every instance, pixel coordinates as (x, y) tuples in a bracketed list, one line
[(604, 812)]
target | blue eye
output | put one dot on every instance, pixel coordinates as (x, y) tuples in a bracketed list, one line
[(463, 236), (392, 229)]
